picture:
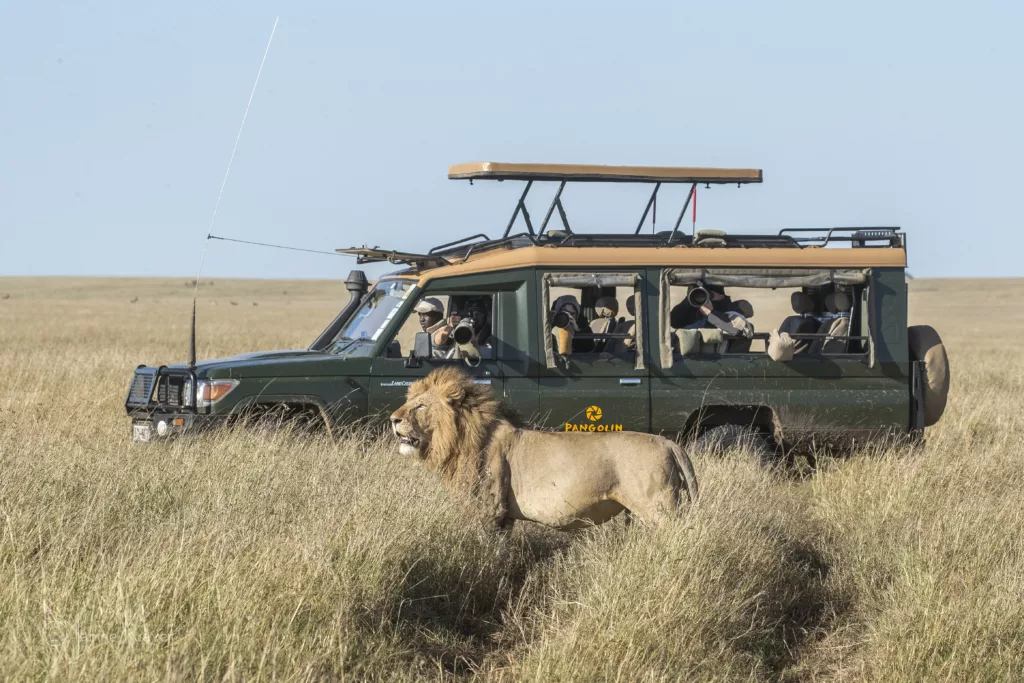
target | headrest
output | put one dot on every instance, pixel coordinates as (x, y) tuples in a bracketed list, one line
[(744, 308), (801, 303), (631, 306), (606, 307), (837, 302)]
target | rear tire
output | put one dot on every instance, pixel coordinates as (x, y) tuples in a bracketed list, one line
[(723, 438)]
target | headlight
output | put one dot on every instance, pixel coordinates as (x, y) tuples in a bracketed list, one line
[(209, 391), (186, 395)]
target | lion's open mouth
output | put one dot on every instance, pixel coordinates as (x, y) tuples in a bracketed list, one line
[(409, 441)]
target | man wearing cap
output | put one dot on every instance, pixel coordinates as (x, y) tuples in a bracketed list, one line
[(431, 315)]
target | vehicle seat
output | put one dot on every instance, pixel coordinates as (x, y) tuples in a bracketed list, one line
[(626, 326), (605, 323), (838, 304), (801, 323)]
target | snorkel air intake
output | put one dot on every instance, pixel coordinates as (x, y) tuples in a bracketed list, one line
[(356, 285)]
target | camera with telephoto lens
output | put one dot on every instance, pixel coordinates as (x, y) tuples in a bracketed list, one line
[(561, 320), (462, 333), (698, 296)]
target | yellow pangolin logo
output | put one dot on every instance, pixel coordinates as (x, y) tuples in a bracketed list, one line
[(594, 414)]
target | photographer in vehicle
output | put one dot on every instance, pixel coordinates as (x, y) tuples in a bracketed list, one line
[(468, 329), (566, 323), (708, 306), (431, 319)]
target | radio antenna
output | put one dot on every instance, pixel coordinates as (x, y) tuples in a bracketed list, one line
[(216, 207)]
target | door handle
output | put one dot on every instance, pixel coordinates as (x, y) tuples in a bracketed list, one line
[(630, 380)]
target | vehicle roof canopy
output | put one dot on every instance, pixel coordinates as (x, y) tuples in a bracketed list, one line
[(491, 170), (538, 246)]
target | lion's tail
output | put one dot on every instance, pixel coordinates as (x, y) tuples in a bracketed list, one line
[(686, 469)]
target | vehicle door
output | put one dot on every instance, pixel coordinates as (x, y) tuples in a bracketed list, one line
[(599, 381), (393, 371)]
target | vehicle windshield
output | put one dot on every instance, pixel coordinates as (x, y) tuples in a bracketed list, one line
[(368, 323)]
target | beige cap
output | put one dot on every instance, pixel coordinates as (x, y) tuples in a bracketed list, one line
[(429, 305)]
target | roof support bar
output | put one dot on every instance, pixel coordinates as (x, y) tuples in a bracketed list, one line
[(650, 202), (554, 202), (686, 205), (561, 213), (521, 206)]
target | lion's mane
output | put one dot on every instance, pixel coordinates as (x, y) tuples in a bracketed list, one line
[(466, 419)]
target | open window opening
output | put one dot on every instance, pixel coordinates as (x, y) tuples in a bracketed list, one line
[(733, 312), (592, 316), (458, 326)]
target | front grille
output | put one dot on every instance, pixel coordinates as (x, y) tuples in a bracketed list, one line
[(169, 391), (141, 389), (150, 389)]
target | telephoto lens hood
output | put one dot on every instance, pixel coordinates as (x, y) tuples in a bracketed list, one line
[(698, 296), (463, 332), (561, 320)]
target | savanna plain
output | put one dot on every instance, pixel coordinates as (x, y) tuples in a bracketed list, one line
[(246, 556)]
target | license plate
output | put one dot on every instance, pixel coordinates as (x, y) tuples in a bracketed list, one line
[(142, 432)]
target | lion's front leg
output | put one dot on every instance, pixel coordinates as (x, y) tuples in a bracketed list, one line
[(495, 481)]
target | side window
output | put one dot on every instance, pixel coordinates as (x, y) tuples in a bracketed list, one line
[(448, 318), (715, 320), (593, 320)]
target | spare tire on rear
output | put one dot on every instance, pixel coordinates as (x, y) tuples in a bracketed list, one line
[(926, 346)]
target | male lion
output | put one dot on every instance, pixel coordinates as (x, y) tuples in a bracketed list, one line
[(563, 480)]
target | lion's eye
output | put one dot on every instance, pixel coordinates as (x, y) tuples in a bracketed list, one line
[(419, 406)]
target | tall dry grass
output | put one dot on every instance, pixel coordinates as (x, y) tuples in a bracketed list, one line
[(239, 557)]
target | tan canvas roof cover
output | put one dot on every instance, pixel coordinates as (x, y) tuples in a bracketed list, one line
[(491, 170), (678, 257)]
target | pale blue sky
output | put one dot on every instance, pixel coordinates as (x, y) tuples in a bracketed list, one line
[(117, 121)]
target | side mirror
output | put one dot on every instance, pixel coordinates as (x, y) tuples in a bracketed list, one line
[(421, 350), (421, 346)]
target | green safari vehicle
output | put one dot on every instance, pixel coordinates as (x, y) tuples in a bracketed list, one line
[(787, 339)]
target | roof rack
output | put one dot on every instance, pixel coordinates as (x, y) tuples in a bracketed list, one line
[(377, 255), (857, 236), (558, 238)]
